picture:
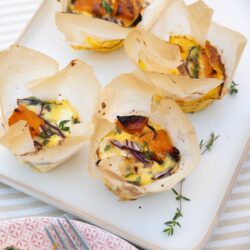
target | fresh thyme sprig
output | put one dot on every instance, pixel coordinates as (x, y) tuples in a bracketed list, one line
[(179, 196), (233, 88), (207, 145), (171, 225)]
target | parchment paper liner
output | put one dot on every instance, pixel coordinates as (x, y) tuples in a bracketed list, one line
[(25, 72), (193, 20), (130, 96), (87, 32)]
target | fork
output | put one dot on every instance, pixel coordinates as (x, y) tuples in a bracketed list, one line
[(73, 244)]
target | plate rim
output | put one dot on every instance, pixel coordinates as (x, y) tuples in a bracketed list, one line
[(122, 233)]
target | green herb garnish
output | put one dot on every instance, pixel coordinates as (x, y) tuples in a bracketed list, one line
[(233, 89), (107, 148), (128, 175), (145, 146), (179, 196), (192, 63), (148, 155), (171, 225), (45, 142), (43, 134), (107, 7), (62, 125), (196, 70), (137, 181), (208, 144)]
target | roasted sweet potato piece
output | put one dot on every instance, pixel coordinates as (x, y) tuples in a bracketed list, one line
[(21, 113), (133, 124), (91, 6), (127, 11), (159, 143), (215, 61)]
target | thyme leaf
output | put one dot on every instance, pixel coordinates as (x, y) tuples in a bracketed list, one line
[(62, 125), (107, 7), (208, 144), (137, 181), (45, 142), (233, 88), (179, 196), (107, 147), (44, 135), (148, 155), (171, 225), (128, 175)]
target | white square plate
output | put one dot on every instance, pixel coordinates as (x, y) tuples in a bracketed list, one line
[(71, 188)]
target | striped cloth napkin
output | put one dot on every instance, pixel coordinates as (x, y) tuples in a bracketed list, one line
[(14, 17), (233, 230)]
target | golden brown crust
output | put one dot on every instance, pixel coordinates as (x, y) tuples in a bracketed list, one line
[(214, 59)]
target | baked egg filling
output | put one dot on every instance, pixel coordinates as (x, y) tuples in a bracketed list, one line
[(198, 61), (126, 13), (147, 150), (49, 122)]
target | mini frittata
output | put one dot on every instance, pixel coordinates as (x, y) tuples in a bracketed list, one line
[(198, 61), (102, 25), (140, 146), (49, 121), (186, 55), (46, 114), (147, 149)]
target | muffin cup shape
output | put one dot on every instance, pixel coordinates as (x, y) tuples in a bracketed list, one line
[(132, 96), (83, 31), (25, 73), (194, 21)]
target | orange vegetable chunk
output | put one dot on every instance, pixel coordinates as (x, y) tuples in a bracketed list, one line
[(21, 113)]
